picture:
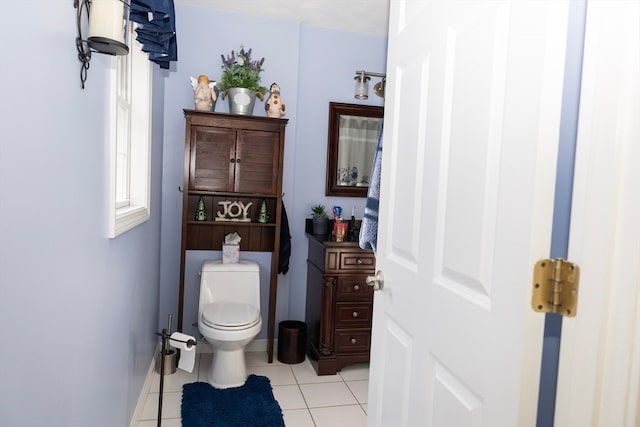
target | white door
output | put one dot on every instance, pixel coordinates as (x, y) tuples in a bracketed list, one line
[(599, 376), (472, 117)]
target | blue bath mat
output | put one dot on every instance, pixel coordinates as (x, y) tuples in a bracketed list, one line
[(250, 405)]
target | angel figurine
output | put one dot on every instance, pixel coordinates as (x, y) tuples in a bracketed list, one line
[(205, 94), (274, 105)]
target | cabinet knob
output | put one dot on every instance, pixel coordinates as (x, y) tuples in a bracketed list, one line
[(358, 261), (237, 160), (356, 287), (353, 340), (354, 314), (232, 160)]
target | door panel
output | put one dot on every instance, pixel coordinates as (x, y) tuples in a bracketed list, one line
[(469, 153)]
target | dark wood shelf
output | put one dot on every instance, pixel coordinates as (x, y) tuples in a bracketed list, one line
[(231, 223), (240, 159)]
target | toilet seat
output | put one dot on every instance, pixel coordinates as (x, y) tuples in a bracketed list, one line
[(230, 316)]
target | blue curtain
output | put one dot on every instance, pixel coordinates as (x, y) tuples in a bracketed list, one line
[(156, 29)]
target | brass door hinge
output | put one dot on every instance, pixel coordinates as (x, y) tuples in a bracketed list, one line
[(555, 287)]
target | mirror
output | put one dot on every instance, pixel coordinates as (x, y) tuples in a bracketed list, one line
[(353, 139)]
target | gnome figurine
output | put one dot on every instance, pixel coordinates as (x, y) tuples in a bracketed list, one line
[(204, 93), (274, 105)]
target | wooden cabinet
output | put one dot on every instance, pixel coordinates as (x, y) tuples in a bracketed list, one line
[(339, 303), (236, 160), (233, 158)]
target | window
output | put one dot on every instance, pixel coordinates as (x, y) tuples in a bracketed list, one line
[(130, 140)]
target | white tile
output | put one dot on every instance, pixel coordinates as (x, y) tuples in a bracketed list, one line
[(277, 374), (171, 406), (327, 394), (305, 374), (359, 389), (150, 408), (297, 418), (335, 400), (339, 416), (175, 381), (289, 397), (365, 408), (258, 358), (355, 372)]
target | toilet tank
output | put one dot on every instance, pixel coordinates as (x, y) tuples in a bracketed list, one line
[(231, 282)]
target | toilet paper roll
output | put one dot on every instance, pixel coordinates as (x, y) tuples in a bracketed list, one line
[(188, 351)]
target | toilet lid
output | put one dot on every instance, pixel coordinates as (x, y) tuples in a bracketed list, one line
[(230, 315)]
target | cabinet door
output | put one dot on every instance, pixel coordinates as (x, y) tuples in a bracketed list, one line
[(257, 162), (212, 159)]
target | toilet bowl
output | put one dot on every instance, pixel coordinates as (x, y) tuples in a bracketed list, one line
[(229, 317)]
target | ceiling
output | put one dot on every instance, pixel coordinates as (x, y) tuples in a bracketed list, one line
[(361, 16)]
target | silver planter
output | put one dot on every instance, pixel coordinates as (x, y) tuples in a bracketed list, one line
[(241, 100), (170, 361)]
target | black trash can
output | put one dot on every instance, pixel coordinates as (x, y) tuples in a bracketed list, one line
[(292, 341)]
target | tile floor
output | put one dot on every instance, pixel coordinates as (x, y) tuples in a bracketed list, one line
[(306, 399)]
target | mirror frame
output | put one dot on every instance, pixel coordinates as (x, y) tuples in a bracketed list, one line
[(336, 109)]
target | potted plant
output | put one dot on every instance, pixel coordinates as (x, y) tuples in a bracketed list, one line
[(240, 81), (320, 220)]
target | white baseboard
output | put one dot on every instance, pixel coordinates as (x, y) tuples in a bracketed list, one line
[(137, 413)]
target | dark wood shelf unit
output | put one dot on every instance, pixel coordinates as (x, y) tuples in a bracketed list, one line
[(240, 159)]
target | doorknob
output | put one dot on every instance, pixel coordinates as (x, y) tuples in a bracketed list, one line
[(377, 281)]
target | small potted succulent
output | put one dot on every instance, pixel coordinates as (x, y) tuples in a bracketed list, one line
[(320, 219), (240, 81)]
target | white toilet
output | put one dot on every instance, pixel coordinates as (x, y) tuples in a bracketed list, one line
[(229, 317)]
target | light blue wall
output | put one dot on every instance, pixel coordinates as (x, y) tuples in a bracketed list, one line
[(313, 67), (328, 62), (79, 310)]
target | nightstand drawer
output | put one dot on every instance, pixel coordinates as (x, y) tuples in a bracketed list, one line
[(354, 340), (353, 288), (353, 315), (350, 260)]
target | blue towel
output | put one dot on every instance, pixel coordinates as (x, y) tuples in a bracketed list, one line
[(369, 226)]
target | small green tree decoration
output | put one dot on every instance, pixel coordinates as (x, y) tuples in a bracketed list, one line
[(263, 217), (201, 213)]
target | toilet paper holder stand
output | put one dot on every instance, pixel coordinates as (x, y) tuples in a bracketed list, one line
[(166, 336)]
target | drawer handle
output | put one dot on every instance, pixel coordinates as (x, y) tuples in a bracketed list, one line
[(358, 261), (353, 340), (354, 314), (356, 287)]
